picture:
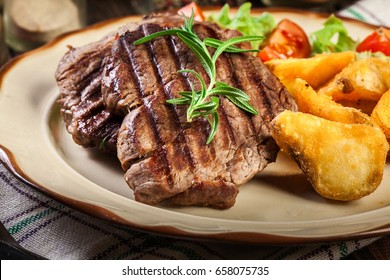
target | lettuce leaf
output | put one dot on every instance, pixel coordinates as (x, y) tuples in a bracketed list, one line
[(245, 23), (333, 37)]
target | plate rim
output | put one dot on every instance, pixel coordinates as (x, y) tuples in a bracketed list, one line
[(8, 159)]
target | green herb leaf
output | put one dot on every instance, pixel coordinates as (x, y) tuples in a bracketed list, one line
[(167, 32), (239, 102), (204, 102), (180, 101), (232, 41), (214, 122), (215, 43), (224, 89), (199, 51), (333, 37)]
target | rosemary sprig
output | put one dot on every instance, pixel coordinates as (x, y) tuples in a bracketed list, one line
[(205, 102)]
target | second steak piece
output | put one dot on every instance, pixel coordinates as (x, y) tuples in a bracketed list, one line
[(166, 159)]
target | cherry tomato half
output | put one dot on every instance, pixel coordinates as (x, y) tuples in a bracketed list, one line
[(379, 41), (287, 40), (193, 6)]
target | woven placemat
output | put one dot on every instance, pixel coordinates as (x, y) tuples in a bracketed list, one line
[(56, 231)]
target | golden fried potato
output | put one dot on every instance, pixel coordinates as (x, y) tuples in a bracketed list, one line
[(381, 114), (321, 105), (361, 80), (383, 64), (342, 161), (364, 105), (315, 70)]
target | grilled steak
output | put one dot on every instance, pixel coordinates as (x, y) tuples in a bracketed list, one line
[(79, 76), (115, 93), (79, 80), (164, 156)]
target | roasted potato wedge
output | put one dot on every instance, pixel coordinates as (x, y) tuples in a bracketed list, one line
[(361, 80), (381, 114), (383, 64), (342, 161), (321, 105), (315, 70), (364, 105)]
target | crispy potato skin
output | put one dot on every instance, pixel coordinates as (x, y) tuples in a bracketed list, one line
[(352, 82), (342, 161), (363, 79), (316, 70), (381, 114), (321, 105), (340, 136)]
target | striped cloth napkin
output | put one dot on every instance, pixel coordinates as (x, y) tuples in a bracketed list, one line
[(371, 11), (56, 231)]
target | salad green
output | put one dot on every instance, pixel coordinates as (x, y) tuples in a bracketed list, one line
[(244, 22), (333, 37)]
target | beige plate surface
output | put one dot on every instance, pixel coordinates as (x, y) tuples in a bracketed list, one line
[(277, 207)]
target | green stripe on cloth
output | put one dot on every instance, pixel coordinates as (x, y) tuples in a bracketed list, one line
[(29, 220), (356, 14), (344, 251)]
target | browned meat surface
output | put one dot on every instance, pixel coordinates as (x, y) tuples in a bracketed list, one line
[(164, 156), (79, 76), (114, 83)]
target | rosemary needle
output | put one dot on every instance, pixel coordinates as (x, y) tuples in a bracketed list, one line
[(205, 102)]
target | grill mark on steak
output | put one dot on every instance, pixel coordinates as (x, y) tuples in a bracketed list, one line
[(124, 98), (185, 59), (217, 193), (142, 66), (207, 31), (166, 73), (225, 74), (248, 83), (195, 132), (165, 66), (192, 141), (77, 69), (88, 80), (91, 101), (200, 153), (89, 122), (78, 77), (126, 43)]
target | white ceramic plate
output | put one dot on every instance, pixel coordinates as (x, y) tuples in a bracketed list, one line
[(277, 206)]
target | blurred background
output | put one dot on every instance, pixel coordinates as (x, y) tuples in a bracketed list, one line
[(143, 6), (27, 24)]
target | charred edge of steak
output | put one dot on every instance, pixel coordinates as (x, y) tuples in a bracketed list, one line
[(243, 144), (79, 79), (216, 194), (79, 75), (87, 119)]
